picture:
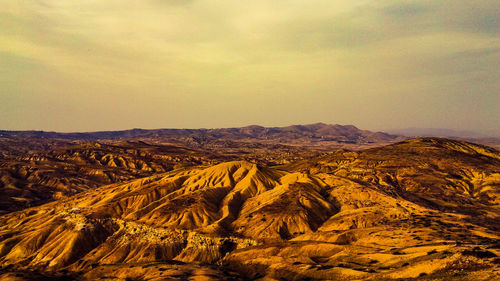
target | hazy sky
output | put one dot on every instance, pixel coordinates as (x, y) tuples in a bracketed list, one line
[(118, 64)]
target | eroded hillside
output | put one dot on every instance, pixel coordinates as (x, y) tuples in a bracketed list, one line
[(424, 208), (53, 173)]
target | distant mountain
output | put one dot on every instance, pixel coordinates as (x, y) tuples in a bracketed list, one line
[(318, 132)]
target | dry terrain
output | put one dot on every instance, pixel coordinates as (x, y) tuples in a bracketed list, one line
[(420, 209), (37, 167)]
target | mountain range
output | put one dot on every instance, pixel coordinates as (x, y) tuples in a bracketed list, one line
[(289, 134)]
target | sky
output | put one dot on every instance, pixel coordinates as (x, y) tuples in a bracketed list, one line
[(89, 65)]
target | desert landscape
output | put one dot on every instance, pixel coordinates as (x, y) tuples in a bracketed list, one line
[(284, 140), (310, 202)]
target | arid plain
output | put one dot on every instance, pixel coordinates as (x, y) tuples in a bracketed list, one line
[(311, 202)]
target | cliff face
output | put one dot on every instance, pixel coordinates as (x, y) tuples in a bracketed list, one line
[(421, 207)]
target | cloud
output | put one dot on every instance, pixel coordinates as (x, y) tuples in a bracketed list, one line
[(269, 59)]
